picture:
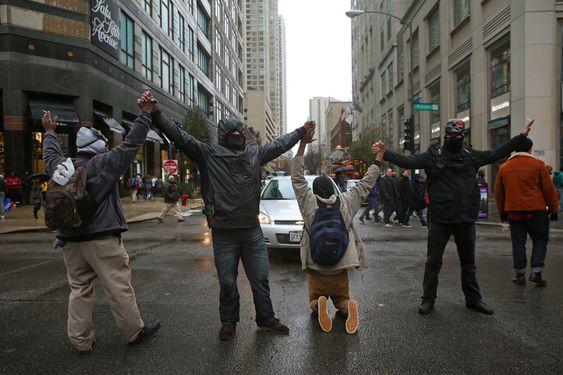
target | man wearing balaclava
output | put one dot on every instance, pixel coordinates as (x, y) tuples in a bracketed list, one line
[(95, 249), (230, 187), (454, 204)]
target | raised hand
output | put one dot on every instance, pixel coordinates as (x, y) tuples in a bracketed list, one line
[(528, 126), (147, 103), (48, 122)]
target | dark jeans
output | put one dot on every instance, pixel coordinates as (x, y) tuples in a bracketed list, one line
[(419, 213), (438, 236), (372, 204), (388, 209), (403, 210), (246, 244), (538, 229)]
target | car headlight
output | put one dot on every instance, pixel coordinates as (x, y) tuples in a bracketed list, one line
[(264, 219)]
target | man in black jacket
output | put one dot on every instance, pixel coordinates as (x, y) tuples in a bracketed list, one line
[(230, 186), (389, 196), (454, 205), (171, 195), (95, 249), (404, 190)]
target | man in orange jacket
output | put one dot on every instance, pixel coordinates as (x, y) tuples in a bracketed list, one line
[(527, 199)]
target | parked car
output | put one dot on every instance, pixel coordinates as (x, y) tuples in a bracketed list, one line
[(280, 218)]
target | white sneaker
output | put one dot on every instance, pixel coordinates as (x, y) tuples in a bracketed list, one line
[(388, 225)]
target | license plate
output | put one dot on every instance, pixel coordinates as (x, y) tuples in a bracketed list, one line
[(295, 236)]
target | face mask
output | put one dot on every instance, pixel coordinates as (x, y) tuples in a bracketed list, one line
[(235, 141), (453, 144)]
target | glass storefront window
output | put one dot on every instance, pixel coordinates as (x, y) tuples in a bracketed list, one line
[(463, 89), (500, 70)]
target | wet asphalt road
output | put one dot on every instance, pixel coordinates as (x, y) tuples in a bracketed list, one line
[(175, 281)]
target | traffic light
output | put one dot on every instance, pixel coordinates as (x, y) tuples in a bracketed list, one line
[(408, 145)]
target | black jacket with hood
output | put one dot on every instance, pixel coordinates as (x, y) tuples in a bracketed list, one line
[(103, 173), (230, 178), (452, 178)]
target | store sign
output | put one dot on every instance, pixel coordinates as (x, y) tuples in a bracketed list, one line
[(105, 26), (500, 106)]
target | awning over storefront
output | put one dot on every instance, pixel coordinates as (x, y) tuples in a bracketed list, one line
[(110, 122), (152, 136), (64, 110)]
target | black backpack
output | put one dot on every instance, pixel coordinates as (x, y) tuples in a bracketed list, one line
[(68, 206), (329, 236)]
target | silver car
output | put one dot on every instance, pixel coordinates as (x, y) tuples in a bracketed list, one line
[(280, 218)]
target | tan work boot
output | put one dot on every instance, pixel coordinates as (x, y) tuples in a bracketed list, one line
[(325, 321), (353, 320)]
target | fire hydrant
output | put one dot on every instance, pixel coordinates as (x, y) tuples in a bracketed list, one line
[(184, 197)]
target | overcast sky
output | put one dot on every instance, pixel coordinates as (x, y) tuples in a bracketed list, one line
[(318, 46)]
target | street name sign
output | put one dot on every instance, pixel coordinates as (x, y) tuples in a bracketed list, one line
[(426, 107)]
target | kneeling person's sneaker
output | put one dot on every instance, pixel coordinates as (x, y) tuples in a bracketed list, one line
[(325, 320), (227, 331), (353, 319), (275, 326), (149, 330)]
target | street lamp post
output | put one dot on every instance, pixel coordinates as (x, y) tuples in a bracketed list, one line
[(358, 12)]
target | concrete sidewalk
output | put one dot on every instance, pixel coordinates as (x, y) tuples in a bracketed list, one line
[(21, 218)]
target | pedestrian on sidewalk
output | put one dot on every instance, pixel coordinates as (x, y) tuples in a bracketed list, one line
[(95, 249), (417, 202), (404, 190), (373, 203), (454, 204), (2, 195), (147, 183), (230, 186), (14, 188), (330, 281), (389, 196), (527, 199), (134, 184), (171, 196), (36, 196)]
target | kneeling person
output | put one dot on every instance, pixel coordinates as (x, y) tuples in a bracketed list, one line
[(331, 280)]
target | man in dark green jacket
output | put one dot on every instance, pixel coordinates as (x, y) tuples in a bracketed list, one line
[(230, 186), (454, 205)]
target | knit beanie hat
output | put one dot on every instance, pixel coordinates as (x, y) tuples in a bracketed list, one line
[(323, 187)]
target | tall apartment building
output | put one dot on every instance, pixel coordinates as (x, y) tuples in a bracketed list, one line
[(87, 62), (263, 65), (282, 76), (317, 112), (492, 63)]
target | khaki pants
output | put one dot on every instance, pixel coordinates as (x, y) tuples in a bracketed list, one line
[(334, 286), (171, 206), (107, 259)]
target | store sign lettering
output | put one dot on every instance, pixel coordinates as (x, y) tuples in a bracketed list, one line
[(105, 30)]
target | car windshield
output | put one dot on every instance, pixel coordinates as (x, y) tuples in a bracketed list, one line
[(281, 189)]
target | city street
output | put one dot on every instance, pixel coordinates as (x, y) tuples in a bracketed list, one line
[(175, 281)]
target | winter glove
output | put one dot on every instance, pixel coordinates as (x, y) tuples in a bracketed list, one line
[(504, 217), (553, 217)]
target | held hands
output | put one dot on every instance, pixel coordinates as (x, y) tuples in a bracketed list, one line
[(48, 122), (378, 149), (527, 127), (147, 103), (309, 132)]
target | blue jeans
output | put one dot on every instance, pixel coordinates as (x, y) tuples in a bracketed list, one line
[(246, 244), (538, 229)]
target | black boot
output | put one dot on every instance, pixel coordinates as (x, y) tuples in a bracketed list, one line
[(149, 330), (480, 306), (519, 279), (535, 277), (425, 307)]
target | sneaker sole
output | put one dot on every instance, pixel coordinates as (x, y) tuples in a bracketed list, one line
[(353, 319), (325, 320)]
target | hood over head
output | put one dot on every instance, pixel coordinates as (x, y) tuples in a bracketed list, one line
[(224, 130)]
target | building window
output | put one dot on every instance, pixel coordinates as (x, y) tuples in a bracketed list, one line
[(181, 32), (500, 70), (218, 44), (434, 29), (164, 14), (166, 75), (463, 89), (218, 77), (147, 6), (401, 67), (390, 77), (415, 50), (127, 30), (434, 91), (191, 44), (203, 61), (461, 11), (202, 21), (203, 102), (190, 6), (191, 90), (182, 84), (383, 85), (146, 44)]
